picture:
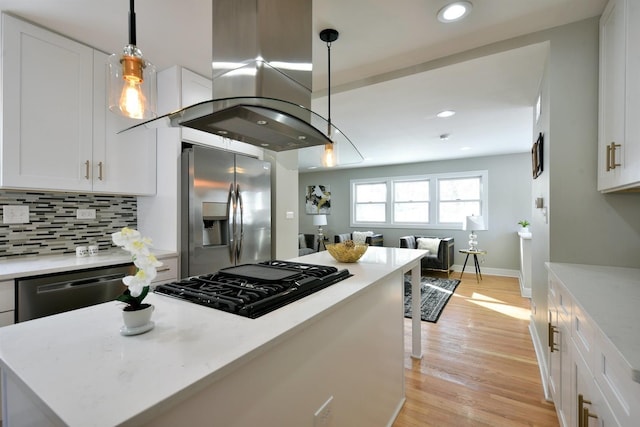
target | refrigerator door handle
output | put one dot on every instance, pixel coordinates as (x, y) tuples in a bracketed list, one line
[(240, 207), (231, 206)]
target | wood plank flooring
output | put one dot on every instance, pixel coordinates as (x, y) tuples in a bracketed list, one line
[(479, 366)]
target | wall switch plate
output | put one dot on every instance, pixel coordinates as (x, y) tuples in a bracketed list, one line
[(15, 214), (289, 215), (86, 214)]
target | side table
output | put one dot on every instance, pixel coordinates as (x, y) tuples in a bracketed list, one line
[(475, 254)]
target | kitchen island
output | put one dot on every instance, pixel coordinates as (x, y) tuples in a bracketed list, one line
[(201, 366)]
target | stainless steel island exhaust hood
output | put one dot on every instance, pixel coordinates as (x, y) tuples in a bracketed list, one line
[(262, 71)]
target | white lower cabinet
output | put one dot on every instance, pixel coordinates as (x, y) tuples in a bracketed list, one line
[(168, 272), (7, 310), (588, 380), (559, 352), (591, 408)]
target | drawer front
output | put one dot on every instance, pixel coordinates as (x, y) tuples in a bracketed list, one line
[(613, 376), (582, 332), (168, 272), (561, 299), (7, 318), (7, 295)]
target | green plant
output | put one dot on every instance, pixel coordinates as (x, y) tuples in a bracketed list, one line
[(524, 223)]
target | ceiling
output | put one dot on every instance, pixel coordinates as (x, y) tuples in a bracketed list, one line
[(380, 99)]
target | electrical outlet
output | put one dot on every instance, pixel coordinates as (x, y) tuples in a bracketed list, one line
[(15, 214), (324, 416), (86, 214)]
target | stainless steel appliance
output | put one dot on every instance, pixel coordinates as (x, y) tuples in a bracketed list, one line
[(41, 296), (226, 210), (252, 290), (262, 79)]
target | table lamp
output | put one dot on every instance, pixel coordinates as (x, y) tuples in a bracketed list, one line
[(320, 220), (473, 223)]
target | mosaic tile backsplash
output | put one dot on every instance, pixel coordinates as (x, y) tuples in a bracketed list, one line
[(53, 227)]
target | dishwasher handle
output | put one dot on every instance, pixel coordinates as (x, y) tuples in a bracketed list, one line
[(79, 283)]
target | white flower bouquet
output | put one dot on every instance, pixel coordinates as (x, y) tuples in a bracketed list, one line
[(130, 240)]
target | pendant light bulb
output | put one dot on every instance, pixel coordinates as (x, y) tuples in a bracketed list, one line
[(132, 100), (329, 156), (132, 79)]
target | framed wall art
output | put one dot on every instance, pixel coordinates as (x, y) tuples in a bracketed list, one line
[(318, 200), (536, 156)]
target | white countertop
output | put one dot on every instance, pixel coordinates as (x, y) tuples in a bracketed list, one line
[(12, 268), (80, 366), (611, 297)]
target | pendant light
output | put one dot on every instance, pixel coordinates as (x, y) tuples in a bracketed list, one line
[(132, 79), (328, 36)]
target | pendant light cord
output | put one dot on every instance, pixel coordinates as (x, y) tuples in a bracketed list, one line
[(329, 84), (132, 23)]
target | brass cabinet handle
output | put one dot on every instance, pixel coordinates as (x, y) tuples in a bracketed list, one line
[(552, 330), (611, 158), (86, 165), (608, 169), (581, 409), (163, 269), (585, 417), (100, 171)]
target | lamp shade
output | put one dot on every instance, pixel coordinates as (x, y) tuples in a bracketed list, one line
[(319, 220), (474, 223)]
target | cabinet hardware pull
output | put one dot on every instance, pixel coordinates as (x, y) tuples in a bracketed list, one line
[(608, 169), (100, 171), (163, 269), (552, 330), (581, 408), (86, 165), (613, 146), (585, 417)]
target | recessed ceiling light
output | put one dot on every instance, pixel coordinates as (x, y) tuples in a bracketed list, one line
[(445, 113), (444, 136), (454, 11)]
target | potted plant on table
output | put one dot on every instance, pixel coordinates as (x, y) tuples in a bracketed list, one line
[(524, 226), (137, 314)]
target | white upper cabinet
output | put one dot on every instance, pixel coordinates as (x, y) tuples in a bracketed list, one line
[(57, 133), (47, 108), (619, 128), (122, 163)]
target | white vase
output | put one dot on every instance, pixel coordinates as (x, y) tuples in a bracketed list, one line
[(136, 320)]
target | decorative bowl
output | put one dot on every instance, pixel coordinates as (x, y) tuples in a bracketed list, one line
[(342, 252)]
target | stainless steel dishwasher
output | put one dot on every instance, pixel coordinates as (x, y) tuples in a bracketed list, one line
[(40, 296)]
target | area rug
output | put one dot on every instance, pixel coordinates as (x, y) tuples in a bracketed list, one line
[(435, 294)]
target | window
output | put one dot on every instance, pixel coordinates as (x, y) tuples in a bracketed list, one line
[(370, 202), (425, 201), (411, 201), (459, 198)]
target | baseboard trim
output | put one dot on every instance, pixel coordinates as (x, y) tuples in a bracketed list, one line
[(487, 270), (542, 360), (525, 292)]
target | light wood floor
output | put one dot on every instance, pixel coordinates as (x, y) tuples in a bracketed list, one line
[(479, 366)]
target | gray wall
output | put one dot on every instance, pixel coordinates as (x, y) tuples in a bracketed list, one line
[(509, 186)]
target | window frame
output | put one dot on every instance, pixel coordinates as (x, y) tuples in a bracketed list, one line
[(434, 199)]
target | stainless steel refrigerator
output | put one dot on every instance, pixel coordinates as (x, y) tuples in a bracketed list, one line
[(226, 210)]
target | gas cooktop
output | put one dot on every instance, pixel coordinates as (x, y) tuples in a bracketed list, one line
[(252, 290)]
